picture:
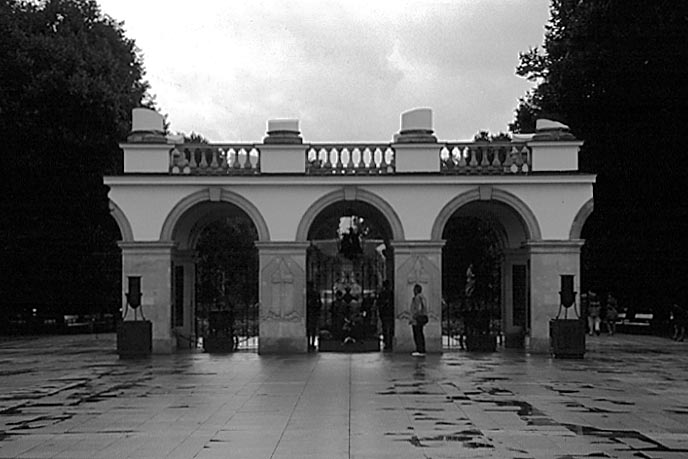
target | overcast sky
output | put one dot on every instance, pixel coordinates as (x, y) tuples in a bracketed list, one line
[(345, 69)]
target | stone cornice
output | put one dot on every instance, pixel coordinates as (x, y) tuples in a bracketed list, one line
[(266, 247), (425, 179), (417, 245)]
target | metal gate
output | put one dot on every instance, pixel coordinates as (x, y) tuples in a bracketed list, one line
[(347, 287), (227, 309)]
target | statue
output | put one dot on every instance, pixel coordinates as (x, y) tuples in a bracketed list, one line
[(470, 281)]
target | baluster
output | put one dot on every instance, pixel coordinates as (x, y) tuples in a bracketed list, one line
[(328, 163), (349, 161), (223, 159), (247, 161), (519, 159), (312, 160), (496, 162), (204, 161), (192, 163), (446, 162), (237, 164), (391, 161), (174, 154), (382, 167), (256, 166), (338, 165), (508, 160), (367, 157), (463, 154), (450, 162), (473, 163), (485, 163), (230, 158), (361, 164), (214, 163), (455, 157), (376, 160), (526, 164)]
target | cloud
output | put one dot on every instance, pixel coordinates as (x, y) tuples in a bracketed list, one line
[(347, 70)]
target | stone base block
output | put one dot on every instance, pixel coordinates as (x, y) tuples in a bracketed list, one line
[(134, 338), (330, 345), (567, 338), (270, 345), (514, 340), (164, 345), (538, 345)]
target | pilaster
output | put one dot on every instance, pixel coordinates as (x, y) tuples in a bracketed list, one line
[(417, 262), (153, 262), (548, 260), (282, 297), (187, 261)]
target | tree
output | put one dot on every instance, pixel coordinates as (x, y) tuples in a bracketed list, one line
[(615, 72), (486, 136), (68, 81)]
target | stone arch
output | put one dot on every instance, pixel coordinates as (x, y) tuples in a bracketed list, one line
[(122, 222), (214, 195), (350, 194), (579, 220), (521, 208)]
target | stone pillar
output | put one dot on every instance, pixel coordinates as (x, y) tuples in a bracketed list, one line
[(548, 260), (282, 297), (187, 329), (416, 148), (153, 262), (417, 262), (513, 332)]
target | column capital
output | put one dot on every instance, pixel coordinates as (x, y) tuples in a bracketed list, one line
[(266, 247), (432, 245), (555, 246), (143, 247)]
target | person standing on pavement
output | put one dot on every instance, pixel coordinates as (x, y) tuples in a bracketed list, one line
[(611, 314), (594, 313), (313, 307), (419, 317)]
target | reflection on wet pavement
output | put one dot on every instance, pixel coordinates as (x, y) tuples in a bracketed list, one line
[(72, 397)]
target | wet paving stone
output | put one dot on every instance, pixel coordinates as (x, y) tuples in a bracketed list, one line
[(71, 396)]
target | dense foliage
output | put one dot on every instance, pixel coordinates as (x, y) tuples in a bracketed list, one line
[(617, 73), (68, 81), (227, 271)]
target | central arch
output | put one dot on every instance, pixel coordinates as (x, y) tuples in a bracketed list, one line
[(348, 261), (352, 193)]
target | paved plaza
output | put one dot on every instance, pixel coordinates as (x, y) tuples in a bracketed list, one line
[(72, 397)]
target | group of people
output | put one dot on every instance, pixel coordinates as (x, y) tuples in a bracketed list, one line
[(598, 314), (384, 304)]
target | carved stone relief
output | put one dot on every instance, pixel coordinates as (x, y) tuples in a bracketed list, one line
[(282, 284)]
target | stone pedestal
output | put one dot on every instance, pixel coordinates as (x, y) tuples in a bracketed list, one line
[(567, 338), (282, 297), (134, 339), (153, 262), (548, 260), (417, 262)]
